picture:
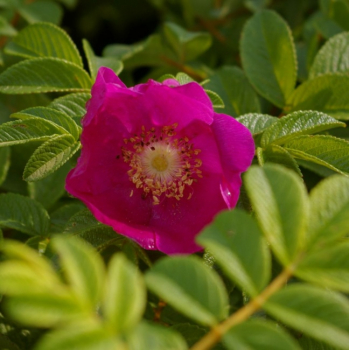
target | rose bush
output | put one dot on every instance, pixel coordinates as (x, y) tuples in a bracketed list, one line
[(157, 163)]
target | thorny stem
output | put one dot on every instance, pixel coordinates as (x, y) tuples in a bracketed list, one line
[(214, 336)]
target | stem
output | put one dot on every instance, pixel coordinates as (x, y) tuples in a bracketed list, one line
[(211, 338)]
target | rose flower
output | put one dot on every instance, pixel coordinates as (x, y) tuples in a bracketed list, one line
[(157, 163)]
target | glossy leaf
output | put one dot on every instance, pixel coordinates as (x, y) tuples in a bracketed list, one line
[(72, 105), (52, 115), (237, 244), (268, 56), (296, 124), (190, 287), (50, 156), (231, 84), (23, 214), (279, 199), (324, 93), (319, 313), (44, 75), (257, 123), (125, 294), (258, 335), (324, 150), (44, 40), (31, 129), (83, 268)]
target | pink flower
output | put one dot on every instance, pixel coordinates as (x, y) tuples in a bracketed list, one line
[(157, 163)]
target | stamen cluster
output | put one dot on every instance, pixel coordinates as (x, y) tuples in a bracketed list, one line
[(161, 163)]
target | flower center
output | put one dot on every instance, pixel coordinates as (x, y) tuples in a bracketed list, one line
[(161, 164)]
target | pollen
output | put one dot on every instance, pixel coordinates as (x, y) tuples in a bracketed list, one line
[(161, 164)]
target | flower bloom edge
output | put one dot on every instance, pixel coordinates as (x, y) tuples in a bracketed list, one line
[(157, 163)]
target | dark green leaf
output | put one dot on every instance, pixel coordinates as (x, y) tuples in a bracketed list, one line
[(23, 214), (231, 84), (4, 163), (41, 11), (268, 56)]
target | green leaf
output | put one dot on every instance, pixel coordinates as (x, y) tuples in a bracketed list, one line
[(279, 199), (217, 102), (94, 62), (187, 45), (328, 267), (329, 210), (256, 5), (332, 57), (339, 12), (190, 332), (328, 151), (44, 75), (319, 313), (190, 287), (257, 123), (268, 56), (325, 93), (48, 190), (298, 123), (50, 156), (277, 154), (31, 129), (231, 84), (155, 337), (43, 309), (72, 105), (183, 78), (23, 214), (61, 216), (83, 268), (125, 294), (311, 344), (52, 115), (256, 334), (41, 11), (84, 225), (87, 335), (7, 343), (237, 244), (4, 163), (44, 40), (6, 28)]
